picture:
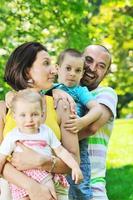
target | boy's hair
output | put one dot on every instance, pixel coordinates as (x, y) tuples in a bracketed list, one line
[(71, 52), (27, 95)]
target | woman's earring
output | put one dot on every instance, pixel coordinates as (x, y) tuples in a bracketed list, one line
[(30, 82)]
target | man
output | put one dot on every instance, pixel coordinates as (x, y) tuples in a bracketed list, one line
[(97, 65)]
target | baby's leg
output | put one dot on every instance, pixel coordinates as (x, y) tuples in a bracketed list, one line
[(48, 182), (25, 198)]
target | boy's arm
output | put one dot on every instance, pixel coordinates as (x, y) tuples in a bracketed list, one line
[(95, 126), (77, 124), (94, 113)]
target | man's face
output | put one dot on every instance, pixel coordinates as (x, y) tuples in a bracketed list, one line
[(97, 62)]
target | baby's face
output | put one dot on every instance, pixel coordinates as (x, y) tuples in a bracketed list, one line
[(28, 116), (71, 70)]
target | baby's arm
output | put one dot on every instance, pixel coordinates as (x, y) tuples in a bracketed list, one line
[(2, 162), (62, 153)]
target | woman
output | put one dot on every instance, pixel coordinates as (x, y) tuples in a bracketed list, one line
[(30, 66)]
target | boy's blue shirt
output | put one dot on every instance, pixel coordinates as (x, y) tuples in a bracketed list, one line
[(80, 94)]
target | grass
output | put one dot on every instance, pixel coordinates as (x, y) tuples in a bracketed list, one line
[(120, 161)]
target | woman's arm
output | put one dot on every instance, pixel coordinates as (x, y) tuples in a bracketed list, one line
[(69, 139), (24, 160), (35, 190), (2, 118)]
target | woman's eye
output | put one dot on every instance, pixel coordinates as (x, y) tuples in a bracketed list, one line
[(46, 62)]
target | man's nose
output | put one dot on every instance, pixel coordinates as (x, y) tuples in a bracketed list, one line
[(93, 67)]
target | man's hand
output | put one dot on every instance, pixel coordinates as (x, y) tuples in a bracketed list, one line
[(61, 95), (28, 158)]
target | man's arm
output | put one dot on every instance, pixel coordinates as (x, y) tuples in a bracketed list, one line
[(94, 127)]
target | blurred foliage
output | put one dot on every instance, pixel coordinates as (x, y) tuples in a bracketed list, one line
[(73, 23)]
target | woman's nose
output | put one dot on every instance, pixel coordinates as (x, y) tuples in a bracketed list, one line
[(53, 70)]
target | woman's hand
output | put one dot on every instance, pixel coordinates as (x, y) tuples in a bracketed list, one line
[(28, 158), (65, 97), (38, 191)]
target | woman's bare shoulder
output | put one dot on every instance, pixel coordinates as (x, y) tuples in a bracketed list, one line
[(2, 108)]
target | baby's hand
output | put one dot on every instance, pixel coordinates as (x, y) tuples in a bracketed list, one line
[(8, 98), (77, 175)]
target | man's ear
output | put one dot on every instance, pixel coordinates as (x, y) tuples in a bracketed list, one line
[(57, 67)]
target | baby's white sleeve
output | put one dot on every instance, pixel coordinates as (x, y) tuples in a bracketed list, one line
[(7, 146)]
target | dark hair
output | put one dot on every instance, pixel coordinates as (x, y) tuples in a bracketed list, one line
[(72, 52), (21, 59)]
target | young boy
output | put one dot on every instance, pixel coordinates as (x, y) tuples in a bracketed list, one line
[(27, 108), (70, 71)]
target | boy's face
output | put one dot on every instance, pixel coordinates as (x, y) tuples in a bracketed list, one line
[(28, 116), (71, 70)]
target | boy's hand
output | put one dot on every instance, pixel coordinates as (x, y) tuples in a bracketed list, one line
[(74, 124), (77, 175)]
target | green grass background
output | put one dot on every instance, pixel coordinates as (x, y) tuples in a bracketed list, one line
[(120, 161)]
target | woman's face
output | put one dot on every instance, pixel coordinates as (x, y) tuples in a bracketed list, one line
[(42, 72)]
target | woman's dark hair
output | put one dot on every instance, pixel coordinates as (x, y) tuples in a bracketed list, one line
[(19, 62)]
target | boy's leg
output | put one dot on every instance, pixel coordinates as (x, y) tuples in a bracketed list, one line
[(83, 190), (5, 193), (48, 182)]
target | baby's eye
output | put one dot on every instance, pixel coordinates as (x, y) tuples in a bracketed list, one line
[(35, 114), (22, 115)]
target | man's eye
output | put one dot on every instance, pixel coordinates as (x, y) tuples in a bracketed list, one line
[(102, 66), (88, 59)]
